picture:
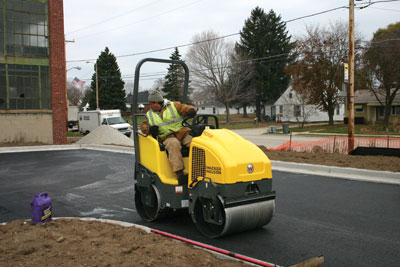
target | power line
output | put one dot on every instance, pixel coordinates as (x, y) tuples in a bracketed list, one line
[(140, 21), (233, 34), (113, 17), (209, 40)]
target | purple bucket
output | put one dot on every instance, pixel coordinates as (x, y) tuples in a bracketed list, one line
[(41, 208)]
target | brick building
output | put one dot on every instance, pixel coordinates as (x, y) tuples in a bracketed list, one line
[(33, 103)]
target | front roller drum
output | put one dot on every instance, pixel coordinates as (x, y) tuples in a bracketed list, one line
[(148, 202), (215, 221)]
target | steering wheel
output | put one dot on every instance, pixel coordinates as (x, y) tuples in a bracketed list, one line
[(199, 123)]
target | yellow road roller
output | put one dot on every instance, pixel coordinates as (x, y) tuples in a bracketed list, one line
[(229, 179)]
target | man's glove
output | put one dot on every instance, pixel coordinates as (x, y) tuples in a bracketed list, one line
[(153, 130), (191, 113)]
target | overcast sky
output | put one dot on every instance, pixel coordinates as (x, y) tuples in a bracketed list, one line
[(128, 27)]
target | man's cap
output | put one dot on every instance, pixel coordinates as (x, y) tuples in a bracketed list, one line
[(155, 96)]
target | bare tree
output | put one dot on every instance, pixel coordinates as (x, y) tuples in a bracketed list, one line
[(319, 65), (211, 62), (128, 87), (74, 94), (158, 84), (241, 74)]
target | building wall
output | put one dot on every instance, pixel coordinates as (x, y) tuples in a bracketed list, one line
[(31, 127), (33, 105)]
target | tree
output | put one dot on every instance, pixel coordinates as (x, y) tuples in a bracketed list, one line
[(241, 74), (110, 85), (382, 66), (265, 39), (209, 60), (318, 70), (74, 94), (174, 80)]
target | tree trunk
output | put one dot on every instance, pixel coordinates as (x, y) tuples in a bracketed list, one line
[(245, 111), (386, 117), (258, 109), (227, 113), (331, 112)]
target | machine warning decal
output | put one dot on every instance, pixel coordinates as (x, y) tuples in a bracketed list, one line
[(178, 189), (213, 170)]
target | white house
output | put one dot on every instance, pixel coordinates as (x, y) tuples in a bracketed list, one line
[(290, 107)]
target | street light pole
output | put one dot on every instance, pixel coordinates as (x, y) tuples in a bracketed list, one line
[(97, 88), (350, 108)]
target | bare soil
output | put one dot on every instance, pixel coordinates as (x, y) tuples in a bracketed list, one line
[(72, 242), (379, 163)]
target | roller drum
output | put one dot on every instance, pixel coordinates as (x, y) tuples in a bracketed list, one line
[(249, 216)]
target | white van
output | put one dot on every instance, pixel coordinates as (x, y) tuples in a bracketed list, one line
[(90, 120)]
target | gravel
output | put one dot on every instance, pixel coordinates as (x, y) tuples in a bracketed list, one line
[(106, 135)]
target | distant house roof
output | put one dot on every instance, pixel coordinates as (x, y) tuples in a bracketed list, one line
[(142, 98), (366, 96)]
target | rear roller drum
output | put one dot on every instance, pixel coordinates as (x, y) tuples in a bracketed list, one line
[(148, 203)]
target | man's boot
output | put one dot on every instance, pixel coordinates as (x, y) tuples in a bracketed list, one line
[(182, 178)]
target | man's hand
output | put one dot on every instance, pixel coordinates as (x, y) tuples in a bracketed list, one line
[(191, 113), (153, 130)]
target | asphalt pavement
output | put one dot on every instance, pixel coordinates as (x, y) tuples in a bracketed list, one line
[(351, 223)]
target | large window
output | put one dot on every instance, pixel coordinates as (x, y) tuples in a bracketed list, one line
[(24, 52), (395, 110), (26, 28)]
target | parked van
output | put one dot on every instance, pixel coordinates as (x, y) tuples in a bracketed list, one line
[(90, 120)]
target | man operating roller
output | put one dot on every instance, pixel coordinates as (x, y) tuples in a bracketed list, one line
[(164, 122)]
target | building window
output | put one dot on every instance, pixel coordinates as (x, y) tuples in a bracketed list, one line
[(280, 109), (25, 28), (359, 109), (395, 110), (337, 110), (297, 111), (290, 95), (23, 39)]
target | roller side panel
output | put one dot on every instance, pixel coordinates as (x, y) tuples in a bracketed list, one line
[(171, 196)]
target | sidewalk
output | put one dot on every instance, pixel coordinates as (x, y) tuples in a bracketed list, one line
[(327, 171)]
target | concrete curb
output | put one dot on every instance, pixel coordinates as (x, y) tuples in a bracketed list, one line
[(110, 148), (17, 149), (328, 171), (338, 172)]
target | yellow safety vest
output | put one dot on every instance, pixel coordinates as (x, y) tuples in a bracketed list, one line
[(171, 121)]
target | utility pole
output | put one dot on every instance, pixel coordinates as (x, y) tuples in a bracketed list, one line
[(350, 87), (97, 84)]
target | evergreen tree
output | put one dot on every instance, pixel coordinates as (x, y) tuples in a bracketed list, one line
[(265, 39), (174, 80), (110, 85)]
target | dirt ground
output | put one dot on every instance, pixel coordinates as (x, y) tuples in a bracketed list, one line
[(72, 242), (380, 163)]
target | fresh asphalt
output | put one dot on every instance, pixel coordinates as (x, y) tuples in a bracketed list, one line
[(350, 223)]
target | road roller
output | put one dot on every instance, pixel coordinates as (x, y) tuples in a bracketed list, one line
[(229, 179)]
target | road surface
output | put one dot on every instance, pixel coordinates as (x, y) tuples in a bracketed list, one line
[(351, 223)]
